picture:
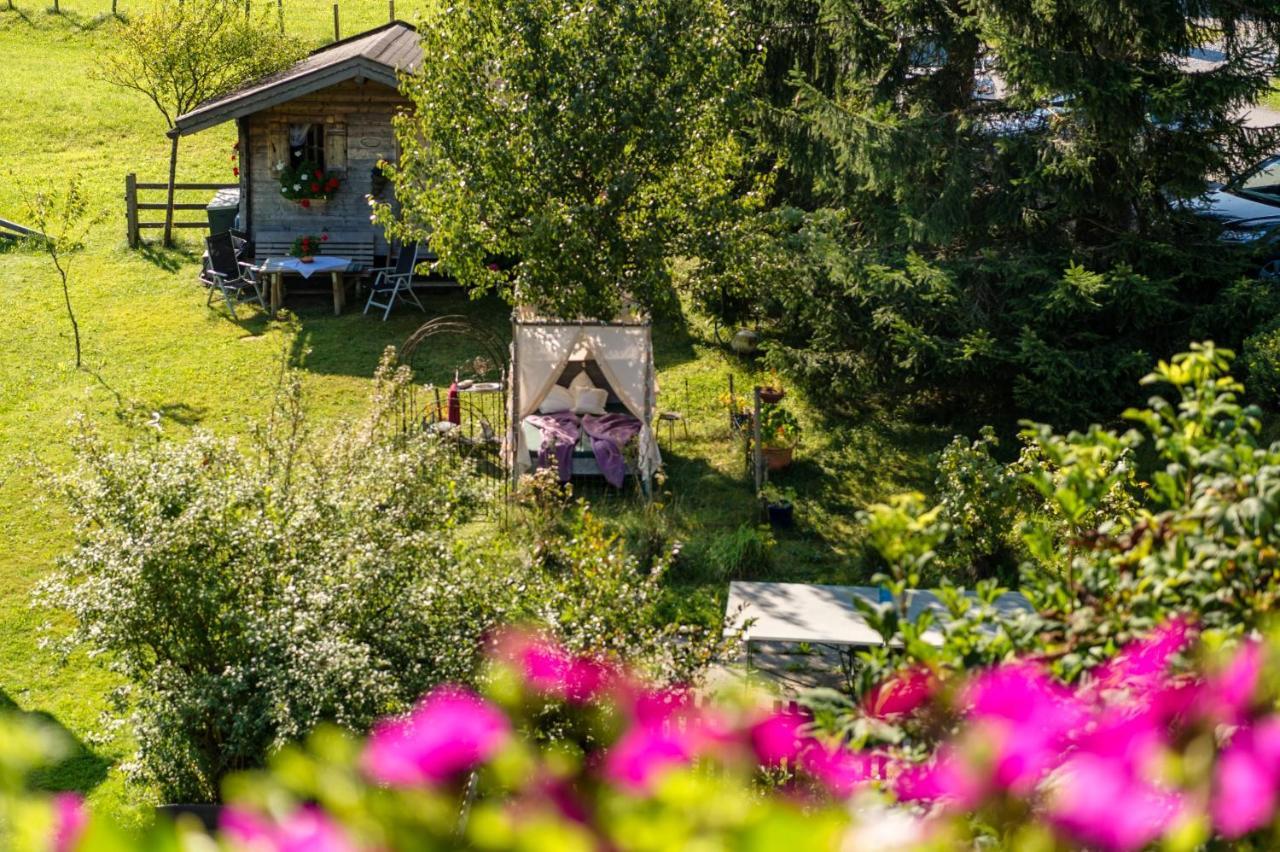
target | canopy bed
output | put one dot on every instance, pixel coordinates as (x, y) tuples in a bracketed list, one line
[(583, 397)]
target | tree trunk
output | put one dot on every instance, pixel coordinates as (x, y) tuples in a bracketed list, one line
[(168, 208)]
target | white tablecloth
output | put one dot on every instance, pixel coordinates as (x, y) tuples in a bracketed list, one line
[(321, 263)]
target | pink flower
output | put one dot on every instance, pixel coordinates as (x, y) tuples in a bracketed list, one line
[(1244, 795), (1147, 659), (1101, 802), (308, 829), (840, 769), (668, 736), (550, 669), (69, 818), (450, 731), (901, 694), (777, 739), (644, 753), (1026, 720), (945, 777), (1228, 694)]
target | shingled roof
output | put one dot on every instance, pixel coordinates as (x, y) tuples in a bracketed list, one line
[(377, 54)]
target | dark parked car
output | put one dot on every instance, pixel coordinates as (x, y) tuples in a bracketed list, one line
[(1248, 208)]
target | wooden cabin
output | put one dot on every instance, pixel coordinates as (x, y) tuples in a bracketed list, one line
[(333, 109)]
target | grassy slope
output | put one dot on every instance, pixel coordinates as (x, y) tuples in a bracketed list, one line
[(151, 345)]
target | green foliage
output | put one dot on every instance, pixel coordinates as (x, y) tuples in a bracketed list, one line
[(179, 54), (740, 553), (1002, 252), (979, 501), (778, 426), (1112, 548), (1261, 360), (564, 153)]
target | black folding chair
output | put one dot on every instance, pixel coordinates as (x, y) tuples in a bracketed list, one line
[(236, 280), (394, 282)]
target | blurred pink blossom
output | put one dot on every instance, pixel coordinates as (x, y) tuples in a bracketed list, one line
[(900, 694), (778, 738), (69, 818), (1025, 719), (1145, 660), (450, 731), (1228, 694), (946, 777), (550, 669), (642, 754), (308, 829), (1104, 804)]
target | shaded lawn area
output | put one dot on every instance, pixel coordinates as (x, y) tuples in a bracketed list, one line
[(153, 350)]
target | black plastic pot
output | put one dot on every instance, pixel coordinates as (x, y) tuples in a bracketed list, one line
[(781, 515), (207, 814)]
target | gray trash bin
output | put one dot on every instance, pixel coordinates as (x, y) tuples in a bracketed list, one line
[(223, 210)]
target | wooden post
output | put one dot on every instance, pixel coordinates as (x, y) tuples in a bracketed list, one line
[(247, 5), (391, 10), (131, 208), (280, 14), (114, 14), (757, 454), (337, 34), (57, 10)]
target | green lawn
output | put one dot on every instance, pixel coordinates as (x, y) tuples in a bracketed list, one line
[(152, 346)]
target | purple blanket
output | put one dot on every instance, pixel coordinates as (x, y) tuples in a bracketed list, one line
[(609, 433), (560, 433)]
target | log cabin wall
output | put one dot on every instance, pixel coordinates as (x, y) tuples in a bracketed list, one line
[(357, 117)]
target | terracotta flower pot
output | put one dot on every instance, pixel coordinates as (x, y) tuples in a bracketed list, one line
[(306, 258), (778, 458), (772, 395)]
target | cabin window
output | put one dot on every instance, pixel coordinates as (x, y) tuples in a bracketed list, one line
[(306, 145)]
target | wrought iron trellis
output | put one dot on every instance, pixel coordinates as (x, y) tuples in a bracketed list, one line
[(476, 438)]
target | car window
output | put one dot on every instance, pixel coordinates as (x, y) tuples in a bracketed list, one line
[(1264, 180)]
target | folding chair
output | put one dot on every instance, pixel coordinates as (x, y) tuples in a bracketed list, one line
[(226, 274), (393, 282)]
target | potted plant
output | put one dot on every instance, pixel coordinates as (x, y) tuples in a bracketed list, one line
[(779, 504), (307, 184), (307, 246), (772, 392), (779, 434)]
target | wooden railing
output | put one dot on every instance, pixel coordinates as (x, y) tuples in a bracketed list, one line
[(132, 205)]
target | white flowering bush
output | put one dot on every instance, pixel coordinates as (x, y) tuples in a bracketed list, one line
[(247, 590)]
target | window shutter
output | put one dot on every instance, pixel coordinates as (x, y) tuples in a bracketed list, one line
[(277, 147), (335, 146)]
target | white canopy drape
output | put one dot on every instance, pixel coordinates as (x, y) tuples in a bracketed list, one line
[(624, 352)]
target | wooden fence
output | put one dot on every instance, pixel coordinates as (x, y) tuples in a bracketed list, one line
[(133, 207)]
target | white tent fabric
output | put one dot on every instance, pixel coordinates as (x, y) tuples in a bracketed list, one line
[(624, 353)]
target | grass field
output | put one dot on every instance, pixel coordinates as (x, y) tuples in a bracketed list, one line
[(152, 346)]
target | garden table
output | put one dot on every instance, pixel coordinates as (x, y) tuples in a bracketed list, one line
[(276, 267), (826, 615)]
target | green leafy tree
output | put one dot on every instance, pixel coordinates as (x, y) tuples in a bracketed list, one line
[(184, 52), (562, 153), (1024, 249)]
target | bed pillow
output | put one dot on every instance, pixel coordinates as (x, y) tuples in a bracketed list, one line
[(582, 381), (590, 400), (558, 399)]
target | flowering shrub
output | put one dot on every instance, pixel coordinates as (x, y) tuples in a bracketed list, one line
[(306, 182), (778, 426), (1168, 742)]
